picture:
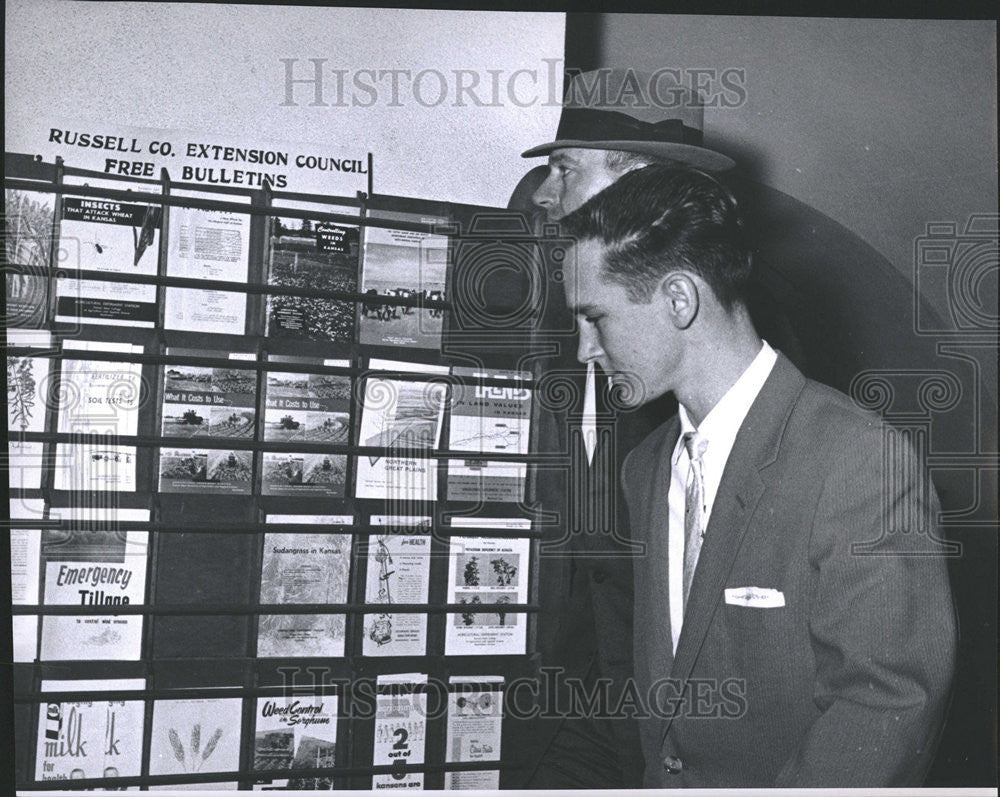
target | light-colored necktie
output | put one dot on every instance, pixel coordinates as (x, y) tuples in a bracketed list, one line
[(694, 507), (588, 426)]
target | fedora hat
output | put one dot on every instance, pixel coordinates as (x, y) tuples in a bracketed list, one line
[(644, 112)]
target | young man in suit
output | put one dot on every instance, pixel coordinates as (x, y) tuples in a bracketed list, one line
[(785, 632)]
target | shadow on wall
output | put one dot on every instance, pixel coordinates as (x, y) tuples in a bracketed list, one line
[(847, 318)]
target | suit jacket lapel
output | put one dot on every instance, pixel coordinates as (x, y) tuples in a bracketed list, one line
[(742, 485)]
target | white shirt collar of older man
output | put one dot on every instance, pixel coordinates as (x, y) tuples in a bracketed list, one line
[(719, 428)]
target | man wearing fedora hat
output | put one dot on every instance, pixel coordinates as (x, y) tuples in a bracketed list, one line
[(613, 121)]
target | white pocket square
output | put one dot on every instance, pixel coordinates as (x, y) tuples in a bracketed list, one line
[(758, 597)]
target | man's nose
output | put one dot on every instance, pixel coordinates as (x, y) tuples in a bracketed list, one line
[(587, 347), (546, 195)]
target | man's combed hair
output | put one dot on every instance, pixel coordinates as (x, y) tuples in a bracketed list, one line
[(659, 219)]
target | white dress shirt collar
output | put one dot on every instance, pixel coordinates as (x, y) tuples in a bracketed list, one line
[(724, 420)]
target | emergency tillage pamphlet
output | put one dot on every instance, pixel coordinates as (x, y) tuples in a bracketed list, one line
[(318, 255), (306, 408), (487, 419), (209, 245), (403, 264), (304, 568), (491, 571), (398, 572), (196, 735), (90, 739), (295, 733), (475, 718), (97, 397), (400, 730), (97, 566), (400, 414), (115, 235), (28, 391)]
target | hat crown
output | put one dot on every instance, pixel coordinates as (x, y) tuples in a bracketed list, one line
[(647, 96), (650, 113)]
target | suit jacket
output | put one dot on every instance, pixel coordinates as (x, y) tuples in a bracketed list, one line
[(847, 683), (585, 625)]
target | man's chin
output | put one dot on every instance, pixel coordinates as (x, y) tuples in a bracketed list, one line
[(624, 394)]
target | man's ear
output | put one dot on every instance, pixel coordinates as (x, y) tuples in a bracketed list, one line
[(679, 293)]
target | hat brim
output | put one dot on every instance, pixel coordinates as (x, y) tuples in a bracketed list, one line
[(699, 157)]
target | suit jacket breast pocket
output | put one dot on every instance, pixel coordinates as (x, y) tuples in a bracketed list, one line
[(769, 647), (757, 631)]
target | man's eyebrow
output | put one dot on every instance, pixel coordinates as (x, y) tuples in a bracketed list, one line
[(581, 309), (559, 158)]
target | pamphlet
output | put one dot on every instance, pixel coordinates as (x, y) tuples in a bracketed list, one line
[(199, 470), (94, 467), (311, 408), (400, 730), (398, 572), (28, 390), (475, 718), (97, 234), (101, 566), (197, 735), (90, 739), (487, 570), (98, 397), (210, 245), (208, 402), (295, 733), (304, 568), (400, 414), (25, 563), (319, 255), (27, 241), (408, 265), (487, 419)]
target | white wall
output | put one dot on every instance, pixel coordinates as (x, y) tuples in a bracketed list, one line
[(216, 68)]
